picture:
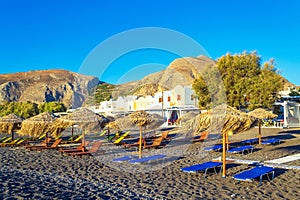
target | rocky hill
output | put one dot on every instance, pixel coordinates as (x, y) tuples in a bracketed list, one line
[(72, 88), (181, 71), (46, 85)]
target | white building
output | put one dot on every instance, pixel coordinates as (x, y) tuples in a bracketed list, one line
[(181, 96)]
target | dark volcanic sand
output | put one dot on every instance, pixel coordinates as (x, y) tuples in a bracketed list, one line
[(48, 174)]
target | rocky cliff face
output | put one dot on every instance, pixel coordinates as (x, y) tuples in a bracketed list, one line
[(45, 86), (182, 71)]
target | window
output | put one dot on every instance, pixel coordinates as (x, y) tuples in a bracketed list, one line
[(160, 100), (169, 98), (178, 97)]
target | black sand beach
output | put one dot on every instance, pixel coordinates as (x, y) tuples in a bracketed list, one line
[(50, 175)]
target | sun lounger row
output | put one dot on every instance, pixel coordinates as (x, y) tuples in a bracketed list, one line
[(135, 160), (203, 167), (157, 142), (217, 147), (271, 141), (257, 172), (16, 142), (250, 141), (254, 173), (242, 149)]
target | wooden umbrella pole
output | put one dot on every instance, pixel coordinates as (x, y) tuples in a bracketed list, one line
[(72, 131), (259, 132), (140, 145), (224, 156), (83, 139), (227, 141)]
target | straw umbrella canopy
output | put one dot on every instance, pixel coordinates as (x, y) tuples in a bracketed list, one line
[(224, 118), (261, 114), (9, 123), (84, 118), (38, 124), (140, 118), (112, 125), (127, 123)]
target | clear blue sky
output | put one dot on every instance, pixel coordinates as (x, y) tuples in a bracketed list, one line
[(61, 33)]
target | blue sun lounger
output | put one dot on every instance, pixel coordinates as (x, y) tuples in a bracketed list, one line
[(250, 141), (242, 149), (254, 173), (216, 147), (124, 158), (272, 141), (147, 159), (203, 167)]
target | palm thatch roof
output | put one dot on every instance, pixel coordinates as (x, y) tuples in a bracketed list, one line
[(223, 118), (114, 125), (38, 124), (260, 113), (10, 122), (138, 118), (84, 118)]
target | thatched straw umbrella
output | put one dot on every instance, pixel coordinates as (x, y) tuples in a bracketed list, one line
[(140, 118), (224, 118), (84, 118), (261, 114), (38, 124), (9, 123), (112, 125)]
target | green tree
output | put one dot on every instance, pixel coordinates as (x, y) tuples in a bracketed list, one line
[(52, 107), (209, 88), (263, 93), (103, 92), (294, 93), (24, 109), (246, 83)]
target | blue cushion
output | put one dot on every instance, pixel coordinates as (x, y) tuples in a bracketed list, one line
[(214, 148), (125, 158), (149, 158), (239, 149), (200, 167), (250, 141), (271, 141), (253, 173)]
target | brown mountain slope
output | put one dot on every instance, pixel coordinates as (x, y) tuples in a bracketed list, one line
[(45, 86), (181, 71)]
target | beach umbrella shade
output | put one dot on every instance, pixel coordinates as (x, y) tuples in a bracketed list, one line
[(140, 119), (112, 125), (86, 119), (10, 123), (223, 117), (261, 114), (37, 125)]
